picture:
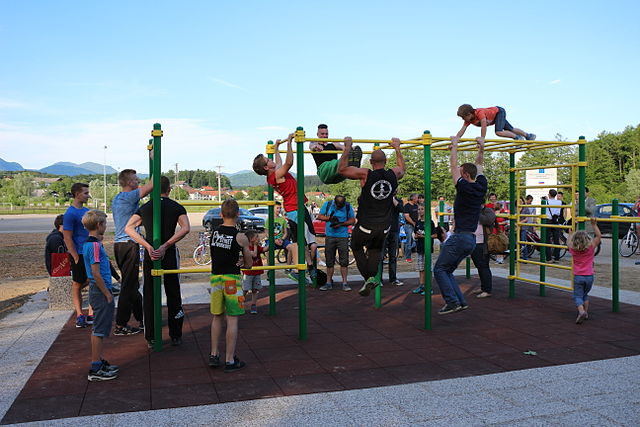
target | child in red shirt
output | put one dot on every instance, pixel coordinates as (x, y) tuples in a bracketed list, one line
[(484, 117)]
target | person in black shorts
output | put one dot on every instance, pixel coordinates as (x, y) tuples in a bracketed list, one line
[(375, 207), (172, 214)]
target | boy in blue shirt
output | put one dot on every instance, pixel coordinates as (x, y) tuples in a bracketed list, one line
[(339, 216), (98, 270)]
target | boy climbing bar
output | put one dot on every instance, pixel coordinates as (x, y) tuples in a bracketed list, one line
[(327, 163), (483, 117)]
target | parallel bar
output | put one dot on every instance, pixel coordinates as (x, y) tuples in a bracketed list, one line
[(522, 187), (545, 245), (566, 165), (217, 203), (541, 283), (160, 271), (561, 267), (566, 227), (613, 219)]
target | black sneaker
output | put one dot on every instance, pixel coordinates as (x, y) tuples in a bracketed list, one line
[(236, 365), (464, 306), (355, 156), (109, 367), (449, 308), (101, 375), (150, 344), (214, 361), (176, 341), (125, 330)]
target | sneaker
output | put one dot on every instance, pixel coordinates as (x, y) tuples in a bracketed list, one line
[(176, 341), (365, 290), (346, 287), (89, 320), (464, 306), (355, 156), (214, 360), (289, 273), (519, 138), (326, 287), (531, 137), (236, 365), (409, 260), (312, 273), (109, 367), (102, 375), (125, 330), (483, 295), (115, 289), (418, 290), (254, 309), (81, 322), (397, 283), (477, 291), (449, 308), (150, 344)]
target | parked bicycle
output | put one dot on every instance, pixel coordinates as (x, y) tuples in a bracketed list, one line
[(629, 243), (202, 253), (533, 237)]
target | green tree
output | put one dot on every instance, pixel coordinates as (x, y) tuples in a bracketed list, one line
[(632, 184)]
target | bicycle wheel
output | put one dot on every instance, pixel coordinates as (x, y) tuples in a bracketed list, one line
[(628, 244), (201, 255), (598, 250), (563, 241)]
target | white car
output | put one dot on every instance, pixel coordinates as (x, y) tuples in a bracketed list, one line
[(261, 212)]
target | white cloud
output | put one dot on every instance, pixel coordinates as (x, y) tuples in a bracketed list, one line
[(554, 82), (226, 83)]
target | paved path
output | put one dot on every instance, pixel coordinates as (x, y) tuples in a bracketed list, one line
[(599, 393)]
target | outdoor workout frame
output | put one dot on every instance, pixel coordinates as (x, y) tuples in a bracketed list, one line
[(427, 143)]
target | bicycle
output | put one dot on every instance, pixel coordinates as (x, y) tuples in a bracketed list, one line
[(533, 237), (629, 243), (202, 252)]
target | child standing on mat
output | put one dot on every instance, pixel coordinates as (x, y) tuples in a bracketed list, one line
[(483, 117), (96, 262), (227, 300), (582, 247), (252, 281)]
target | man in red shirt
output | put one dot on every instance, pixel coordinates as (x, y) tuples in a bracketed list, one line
[(285, 184), (484, 117)]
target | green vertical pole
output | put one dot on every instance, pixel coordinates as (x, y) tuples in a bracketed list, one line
[(543, 250), (467, 268), (512, 224), (272, 259), (302, 283), (156, 133), (426, 165), (615, 260), (440, 218), (377, 292), (582, 179)]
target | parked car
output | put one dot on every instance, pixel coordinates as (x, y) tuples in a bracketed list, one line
[(604, 210), (246, 221), (261, 212), (320, 227)]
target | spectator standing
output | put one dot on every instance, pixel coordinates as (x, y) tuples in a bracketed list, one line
[(411, 218), (339, 215), (528, 220), (75, 235), (173, 214), (127, 251), (55, 242), (554, 216)]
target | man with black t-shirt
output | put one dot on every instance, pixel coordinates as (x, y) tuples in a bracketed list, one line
[(375, 208), (327, 163), (411, 219), (172, 214), (471, 188)]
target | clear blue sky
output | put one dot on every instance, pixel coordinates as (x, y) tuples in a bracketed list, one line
[(224, 77)]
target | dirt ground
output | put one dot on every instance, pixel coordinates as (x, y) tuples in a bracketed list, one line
[(22, 270)]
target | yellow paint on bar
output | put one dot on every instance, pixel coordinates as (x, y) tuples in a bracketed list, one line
[(553, 285), (217, 203), (162, 272), (544, 245), (561, 267)]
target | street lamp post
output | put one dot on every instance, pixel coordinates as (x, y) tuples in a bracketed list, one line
[(104, 177), (219, 172)]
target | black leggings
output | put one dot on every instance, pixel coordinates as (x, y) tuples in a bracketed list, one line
[(368, 261), (130, 301)]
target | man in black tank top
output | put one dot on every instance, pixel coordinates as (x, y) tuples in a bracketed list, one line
[(327, 163), (227, 244), (375, 208)]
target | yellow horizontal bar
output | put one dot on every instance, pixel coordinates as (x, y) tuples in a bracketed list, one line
[(162, 272), (613, 218), (217, 203), (521, 187), (562, 267), (530, 216), (360, 141), (528, 168), (553, 285), (536, 224), (544, 245), (546, 206)]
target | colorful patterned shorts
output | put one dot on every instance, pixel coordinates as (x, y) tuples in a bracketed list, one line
[(226, 294)]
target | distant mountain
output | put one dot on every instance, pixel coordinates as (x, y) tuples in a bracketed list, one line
[(10, 166), (248, 179), (97, 167), (236, 173)]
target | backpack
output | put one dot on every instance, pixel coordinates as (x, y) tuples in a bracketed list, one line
[(487, 217), (497, 243), (321, 278)]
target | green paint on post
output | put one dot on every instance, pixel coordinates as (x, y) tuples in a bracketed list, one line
[(467, 268), (377, 292), (543, 250), (272, 259), (512, 225), (582, 180), (302, 283), (426, 157), (615, 260), (157, 236)]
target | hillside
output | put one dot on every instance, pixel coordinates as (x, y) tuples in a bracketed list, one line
[(10, 166)]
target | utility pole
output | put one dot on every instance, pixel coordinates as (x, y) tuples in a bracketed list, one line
[(175, 184), (219, 173), (104, 177)]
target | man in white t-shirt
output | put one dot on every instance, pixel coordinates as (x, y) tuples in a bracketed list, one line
[(554, 216)]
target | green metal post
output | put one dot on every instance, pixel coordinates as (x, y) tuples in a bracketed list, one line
[(426, 158), (377, 292), (543, 250), (440, 210), (272, 259), (615, 260), (582, 158), (157, 221), (467, 268), (512, 225), (302, 283)]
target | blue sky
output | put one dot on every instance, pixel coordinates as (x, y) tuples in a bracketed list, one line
[(224, 77)]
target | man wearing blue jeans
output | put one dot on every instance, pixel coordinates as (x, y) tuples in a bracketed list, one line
[(471, 189), (411, 218)]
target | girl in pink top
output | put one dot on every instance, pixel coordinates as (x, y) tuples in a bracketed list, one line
[(582, 247)]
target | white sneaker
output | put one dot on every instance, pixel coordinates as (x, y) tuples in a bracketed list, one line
[(397, 283)]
